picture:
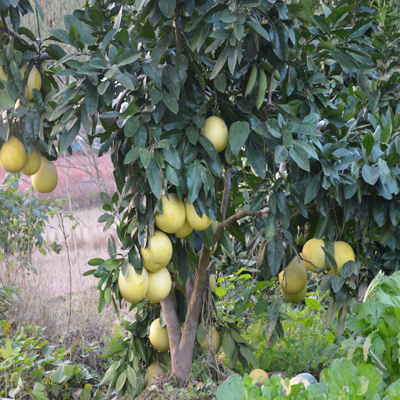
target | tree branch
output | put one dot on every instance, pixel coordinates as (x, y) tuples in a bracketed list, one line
[(178, 32), (227, 188), (189, 289), (196, 301), (172, 321), (15, 35), (121, 99)]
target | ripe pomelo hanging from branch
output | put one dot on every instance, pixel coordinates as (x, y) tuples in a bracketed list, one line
[(217, 132), (173, 217), (343, 253), (159, 253), (133, 288), (312, 251), (159, 286), (46, 179), (159, 336), (13, 155), (200, 224), (33, 163), (294, 277)]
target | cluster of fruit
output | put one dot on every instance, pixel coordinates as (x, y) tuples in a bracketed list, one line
[(13, 156), (293, 279), (154, 283)]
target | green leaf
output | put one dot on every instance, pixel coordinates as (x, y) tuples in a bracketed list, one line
[(279, 40), (170, 102), (347, 62), (220, 62), (321, 23), (370, 174), (238, 134), (154, 72), (120, 381), (95, 261), (91, 99), (248, 355), (115, 348), (111, 246), (107, 39), (154, 176), (194, 180), (171, 80), (312, 189), (124, 81), (271, 320), (300, 158), (167, 7), (232, 389), (259, 29), (275, 252), (257, 159)]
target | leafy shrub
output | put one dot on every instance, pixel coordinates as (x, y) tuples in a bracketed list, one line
[(343, 380), (22, 221), (375, 330), (32, 367), (300, 335)]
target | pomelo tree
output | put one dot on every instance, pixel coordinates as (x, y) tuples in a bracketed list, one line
[(308, 92)]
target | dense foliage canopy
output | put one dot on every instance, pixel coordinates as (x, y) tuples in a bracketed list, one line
[(309, 91)]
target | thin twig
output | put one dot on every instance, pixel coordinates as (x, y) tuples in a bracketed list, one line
[(227, 188), (178, 32)]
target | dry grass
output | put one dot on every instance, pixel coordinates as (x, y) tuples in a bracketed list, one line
[(71, 320)]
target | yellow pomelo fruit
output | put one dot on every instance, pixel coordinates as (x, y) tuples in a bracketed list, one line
[(259, 374), (135, 287), (213, 282), (343, 253), (159, 253), (159, 285), (214, 225), (159, 336), (295, 297), (34, 81), (294, 277), (217, 132), (33, 162), (173, 217), (3, 75), (185, 231), (214, 249), (312, 251), (200, 224), (212, 340), (13, 155), (154, 370), (46, 179)]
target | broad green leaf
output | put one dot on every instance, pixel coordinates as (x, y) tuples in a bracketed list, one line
[(238, 134), (220, 62), (155, 178), (194, 180), (279, 40)]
